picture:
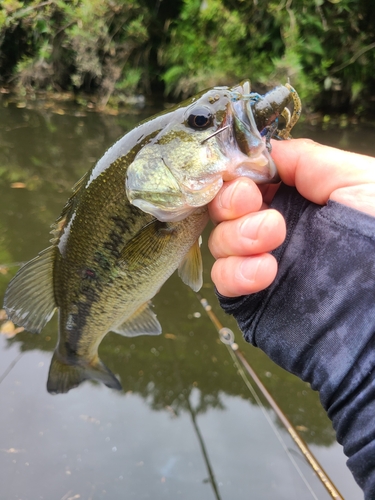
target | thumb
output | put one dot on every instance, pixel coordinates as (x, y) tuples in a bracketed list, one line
[(322, 172)]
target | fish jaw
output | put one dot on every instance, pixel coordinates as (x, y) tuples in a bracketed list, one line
[(173, 203)]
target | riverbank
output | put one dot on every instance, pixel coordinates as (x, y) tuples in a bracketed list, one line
[(73, 104)]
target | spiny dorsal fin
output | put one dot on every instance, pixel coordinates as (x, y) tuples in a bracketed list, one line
[(67, 212), (142, 322), (64, 375), (191, 268), (29, 299)]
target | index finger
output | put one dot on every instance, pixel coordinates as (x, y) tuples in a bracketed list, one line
[(235, 199)]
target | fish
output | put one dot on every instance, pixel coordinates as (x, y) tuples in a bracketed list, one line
[(131, 221)]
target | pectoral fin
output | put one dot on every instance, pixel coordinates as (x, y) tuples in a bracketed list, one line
[(191, 268), (142, 322), (146, 245), (29, 299), (66, 374)]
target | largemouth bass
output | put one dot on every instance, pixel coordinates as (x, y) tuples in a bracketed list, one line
[(134, 219)]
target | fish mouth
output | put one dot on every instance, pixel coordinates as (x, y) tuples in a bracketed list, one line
[(242, 143)]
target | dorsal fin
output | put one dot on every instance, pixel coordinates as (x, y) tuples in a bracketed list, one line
[(68, 210)]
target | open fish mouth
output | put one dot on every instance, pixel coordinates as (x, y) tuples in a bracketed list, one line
[(243, 144)]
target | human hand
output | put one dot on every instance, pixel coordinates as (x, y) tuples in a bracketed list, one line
[(247, 230)]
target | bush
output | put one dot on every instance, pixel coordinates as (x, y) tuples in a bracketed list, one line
[(86, 45), (326, 48)]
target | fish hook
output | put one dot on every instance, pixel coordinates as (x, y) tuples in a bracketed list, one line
[(215, 133)]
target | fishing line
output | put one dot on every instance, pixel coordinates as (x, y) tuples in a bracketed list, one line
[(10, 367), (227, 337), (12, 264)]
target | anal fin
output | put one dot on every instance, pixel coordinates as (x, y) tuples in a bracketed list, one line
[(142, 322)]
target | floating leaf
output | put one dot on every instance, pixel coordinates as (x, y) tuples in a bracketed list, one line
[(170, 336), (301, 428), (9, 329)]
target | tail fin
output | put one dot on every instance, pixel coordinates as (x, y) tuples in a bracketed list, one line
[(65, 375)]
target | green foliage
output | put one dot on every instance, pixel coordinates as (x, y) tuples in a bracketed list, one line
[(212, 45), (325, 47), (81, 44)]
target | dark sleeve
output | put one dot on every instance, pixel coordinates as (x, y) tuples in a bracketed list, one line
[(317, 320)]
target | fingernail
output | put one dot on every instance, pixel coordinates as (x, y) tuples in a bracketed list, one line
[(248, 269), (250, 226), (225, 198)]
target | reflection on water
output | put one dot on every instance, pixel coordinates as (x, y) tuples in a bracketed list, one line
[(185, 425)]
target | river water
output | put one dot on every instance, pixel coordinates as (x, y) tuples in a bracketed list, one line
[(186, 425)]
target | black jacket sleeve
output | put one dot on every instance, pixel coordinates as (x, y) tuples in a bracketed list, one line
[(317, 320)]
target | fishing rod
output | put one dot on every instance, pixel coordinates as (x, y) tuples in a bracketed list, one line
[(227, 337)]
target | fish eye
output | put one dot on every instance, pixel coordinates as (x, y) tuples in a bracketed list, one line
[(200, 118)]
